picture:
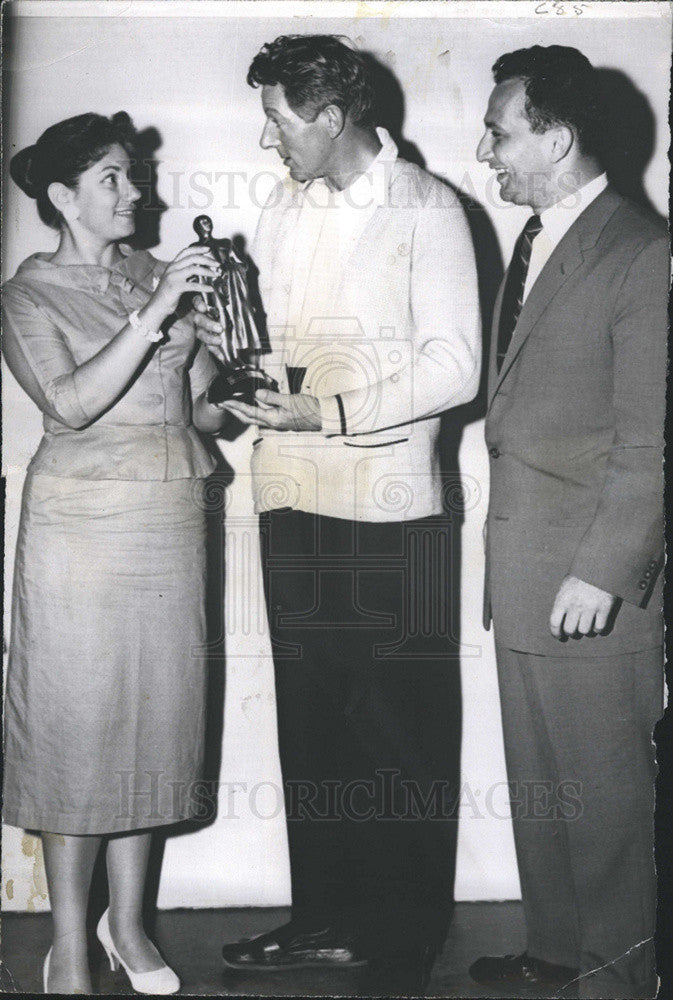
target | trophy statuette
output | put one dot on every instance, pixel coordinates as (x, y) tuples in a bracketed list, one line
[(227, 299)]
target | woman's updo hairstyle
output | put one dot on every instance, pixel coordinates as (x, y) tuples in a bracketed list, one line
[(64, 152)]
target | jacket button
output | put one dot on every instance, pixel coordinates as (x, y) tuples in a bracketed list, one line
[(643, 584), (647, 574), (652, 564), (494, 453)]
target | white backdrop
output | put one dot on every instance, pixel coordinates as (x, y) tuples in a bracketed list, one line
[(180, 68)]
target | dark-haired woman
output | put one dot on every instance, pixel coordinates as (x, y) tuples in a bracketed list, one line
[(105, 687)]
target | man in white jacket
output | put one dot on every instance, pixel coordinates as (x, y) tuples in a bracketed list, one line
[(368, 280)]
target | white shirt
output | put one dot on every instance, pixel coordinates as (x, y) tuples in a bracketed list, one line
[(329, 225), (556, 221)]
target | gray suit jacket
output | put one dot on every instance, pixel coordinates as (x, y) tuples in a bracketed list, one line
[(575, 434)]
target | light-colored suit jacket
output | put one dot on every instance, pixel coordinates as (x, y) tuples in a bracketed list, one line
[(401, 344), (575, 434)]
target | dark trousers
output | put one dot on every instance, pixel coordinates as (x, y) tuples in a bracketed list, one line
[(580, 763), (368, 700)]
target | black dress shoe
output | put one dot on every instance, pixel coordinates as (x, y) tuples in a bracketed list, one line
[(291, 947), (521, 970)]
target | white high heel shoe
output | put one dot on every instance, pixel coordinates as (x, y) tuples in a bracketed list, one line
[(160, 982), (45, 971)]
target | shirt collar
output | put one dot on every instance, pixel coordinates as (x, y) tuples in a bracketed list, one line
[(369, 187), (133, 267), (558, 218), (374, 181)]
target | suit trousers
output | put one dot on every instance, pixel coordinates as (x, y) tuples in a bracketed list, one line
[(580, 763), (368, 701)]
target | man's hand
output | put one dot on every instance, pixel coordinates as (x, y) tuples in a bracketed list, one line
[(579, 608), (208, 330), (296, 412)]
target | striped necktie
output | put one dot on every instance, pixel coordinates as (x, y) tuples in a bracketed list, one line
[(512, 298)]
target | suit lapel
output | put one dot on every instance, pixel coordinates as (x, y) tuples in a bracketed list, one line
[(564, 261), (493, 347)]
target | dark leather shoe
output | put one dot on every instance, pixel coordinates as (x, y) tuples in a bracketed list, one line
[(290, 947), (520, 970)]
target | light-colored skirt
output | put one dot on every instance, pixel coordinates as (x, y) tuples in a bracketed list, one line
[(105, 697)]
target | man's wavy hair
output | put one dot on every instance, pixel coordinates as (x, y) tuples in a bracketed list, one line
[(562, 88), (314, 72)]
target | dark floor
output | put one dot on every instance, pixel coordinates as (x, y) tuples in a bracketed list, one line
[(190, 940)]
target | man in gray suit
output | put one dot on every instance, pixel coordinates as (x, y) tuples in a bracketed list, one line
[(574, 534)]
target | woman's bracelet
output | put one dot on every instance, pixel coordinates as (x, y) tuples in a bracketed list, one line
[(145, 331)]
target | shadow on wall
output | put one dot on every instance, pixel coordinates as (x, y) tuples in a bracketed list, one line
[(630, 132), (389, 107), (144, 175)]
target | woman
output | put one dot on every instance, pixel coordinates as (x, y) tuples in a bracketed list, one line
[(105, 687)]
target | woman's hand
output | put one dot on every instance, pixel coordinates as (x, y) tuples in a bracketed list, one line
[(191, 262), (208, 330)]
